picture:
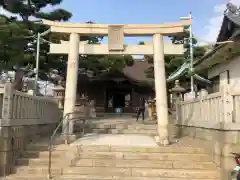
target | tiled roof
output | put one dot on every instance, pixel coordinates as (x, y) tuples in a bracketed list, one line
[(137, 71)]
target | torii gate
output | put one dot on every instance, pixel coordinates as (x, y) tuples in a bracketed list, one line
[(116, 45)]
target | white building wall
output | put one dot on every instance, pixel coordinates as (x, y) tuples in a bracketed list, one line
[(233, 78)]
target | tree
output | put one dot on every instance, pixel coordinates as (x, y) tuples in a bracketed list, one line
[(107, 63), (33, 8), (18, 37), (22, 55)]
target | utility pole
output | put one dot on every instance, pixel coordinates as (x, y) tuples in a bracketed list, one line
[(191, 56), (191, 51), (37, 64), (39, 35)]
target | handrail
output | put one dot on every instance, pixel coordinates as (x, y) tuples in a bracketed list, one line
[(53, 137)]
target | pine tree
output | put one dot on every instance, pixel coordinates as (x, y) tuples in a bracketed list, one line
[(18, 35), (19, 52)]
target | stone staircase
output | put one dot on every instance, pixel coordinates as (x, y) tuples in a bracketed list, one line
[(136, 128), (183, 160), (96, 162), (33, 161), (128, 126), (178, 161)]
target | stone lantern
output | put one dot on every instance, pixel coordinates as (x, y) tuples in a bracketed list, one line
[(177, 94), (58, 94)]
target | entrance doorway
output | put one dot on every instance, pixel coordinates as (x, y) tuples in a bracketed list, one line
[(118, 98)]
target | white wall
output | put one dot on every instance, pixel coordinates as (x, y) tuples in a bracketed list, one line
[(233, 67)]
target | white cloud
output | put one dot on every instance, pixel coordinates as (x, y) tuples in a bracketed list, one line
[(7, 13), (215, 22)]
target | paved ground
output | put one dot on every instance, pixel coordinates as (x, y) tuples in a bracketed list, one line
[(117, 140)]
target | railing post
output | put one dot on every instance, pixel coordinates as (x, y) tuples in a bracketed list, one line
[(202, 94), (227, 104), (178, 112), (7, 105)]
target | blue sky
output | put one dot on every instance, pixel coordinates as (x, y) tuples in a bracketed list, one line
[(205, 13)]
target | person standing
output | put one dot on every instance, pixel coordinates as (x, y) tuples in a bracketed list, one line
[(141, 109)]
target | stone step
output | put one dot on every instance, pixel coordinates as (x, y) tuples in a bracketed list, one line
[(162, 149), (144, 164), (142, 172), (100, 131), (45, 147), (124, 126), (26, 177), (143, 127), (103, 126), (41, 154), (35, 162), (38, 170), (140, 131), (146, 156), (125, 131), (94, 177)]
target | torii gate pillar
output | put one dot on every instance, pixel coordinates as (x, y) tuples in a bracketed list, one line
[(160, 89), (71, 80)]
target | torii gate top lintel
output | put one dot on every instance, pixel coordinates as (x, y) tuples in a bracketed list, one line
[(129, 29)]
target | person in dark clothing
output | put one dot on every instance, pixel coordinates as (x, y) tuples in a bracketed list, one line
[(141, 109)]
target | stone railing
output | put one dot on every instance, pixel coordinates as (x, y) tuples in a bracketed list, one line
[(205, 112), (23, 118), (19, 108), (214, 118), (219, 110), (236, 107)]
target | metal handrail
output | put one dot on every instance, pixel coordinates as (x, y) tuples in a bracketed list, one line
[(53, 137)]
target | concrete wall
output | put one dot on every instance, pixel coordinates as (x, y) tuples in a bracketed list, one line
[(219, 143), (233, 67), (24, 118)]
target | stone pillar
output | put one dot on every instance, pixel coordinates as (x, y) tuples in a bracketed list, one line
[(71, 80), (160, 90)]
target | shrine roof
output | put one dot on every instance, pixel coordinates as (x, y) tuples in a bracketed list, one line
[(134, 73), (230, 31)]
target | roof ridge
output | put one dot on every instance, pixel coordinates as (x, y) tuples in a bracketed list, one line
[(232, 8)]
